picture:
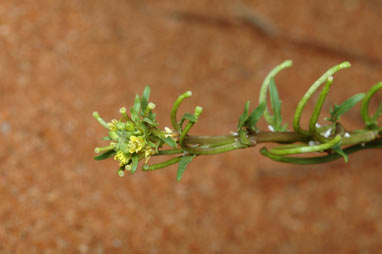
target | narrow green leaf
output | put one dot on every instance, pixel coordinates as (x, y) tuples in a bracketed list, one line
[(255, 116), (145, 98), (276, 105), (106, 138), (169, 141), (338, 110), (284, 127), (150, 122), (105, 155), (337, 148), (184, 161), (152, 116), (137, 104), (134, 165), (134, 115), (243, 116), (188, 116)]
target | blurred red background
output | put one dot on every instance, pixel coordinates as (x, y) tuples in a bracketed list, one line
[(62, 60)]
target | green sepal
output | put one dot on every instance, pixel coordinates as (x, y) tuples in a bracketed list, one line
[(105, 155), (169, 141), (255, 116), (145, 98), (184, 161), (243, 117), (134, 164), (339, 110), (337, 148)]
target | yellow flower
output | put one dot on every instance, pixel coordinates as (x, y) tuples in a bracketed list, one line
[(136, 144), (122, 158), (148, 152)]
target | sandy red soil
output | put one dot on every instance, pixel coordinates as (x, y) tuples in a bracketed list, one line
[(62, 60)]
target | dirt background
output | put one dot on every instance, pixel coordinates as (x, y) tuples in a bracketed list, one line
[(62, 60)]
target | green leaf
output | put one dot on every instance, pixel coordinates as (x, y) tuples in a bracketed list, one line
[(137, 104), (105, 155), (276, 106), (255, 116), (134, 165), (134, 116), (106, 138), (188, 116), (338, 110), (152, 116), (150, 122), (145, 98), (243, 116), (184, 161), (337, 148), (169, 141)]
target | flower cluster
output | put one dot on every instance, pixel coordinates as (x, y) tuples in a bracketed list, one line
[(135, 137)]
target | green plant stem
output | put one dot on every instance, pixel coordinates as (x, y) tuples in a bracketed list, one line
[(307, 149), (198, 111), (103, 149), (309, 93), (365, 103), (100, 120), (210, 139), (317, 110), (360, 137), (175, 107), (262, 137), (160, 165), (206, 150), (265, 85), (168, 152), (320, 159), (207, 145)]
